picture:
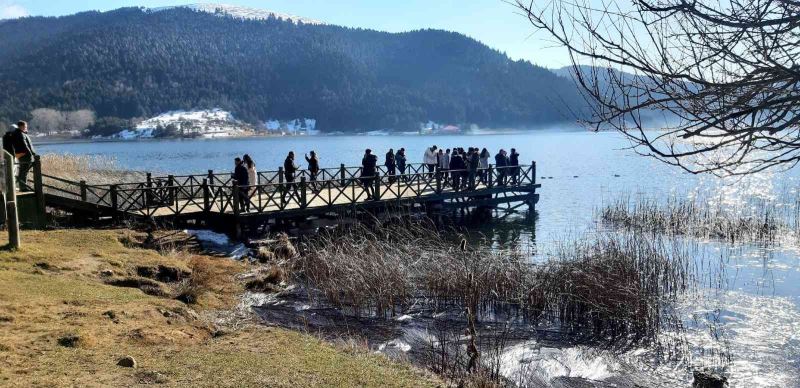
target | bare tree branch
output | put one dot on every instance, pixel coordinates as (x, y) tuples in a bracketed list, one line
[(726, 72)]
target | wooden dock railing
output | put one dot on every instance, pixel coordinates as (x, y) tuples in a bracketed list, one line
[(175, 195)]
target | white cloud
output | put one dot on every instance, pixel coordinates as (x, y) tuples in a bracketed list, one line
[(12, 11)]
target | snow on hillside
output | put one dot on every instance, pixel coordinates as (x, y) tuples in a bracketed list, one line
[(239, 12), (196, 123), (304, 126)]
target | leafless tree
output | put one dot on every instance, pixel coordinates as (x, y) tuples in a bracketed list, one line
[(46, 120), (79, 120), (726, 74)]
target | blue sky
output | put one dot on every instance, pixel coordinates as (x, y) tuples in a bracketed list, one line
[(493, 22)]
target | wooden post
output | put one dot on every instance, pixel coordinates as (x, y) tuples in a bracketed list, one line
[(490, 173), (114, 198), (342, 173), (3, 210), (236, 211), (206, 197), (84, 192), (148, 197), (438, 182), (280, 174), (171, 191), (38, 187), (377, 185), (235, 191), (211, 177), (11, 202), (303, 199), (13, 225), (532, 195)]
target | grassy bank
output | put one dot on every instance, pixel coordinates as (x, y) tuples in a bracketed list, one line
[(74, 302)]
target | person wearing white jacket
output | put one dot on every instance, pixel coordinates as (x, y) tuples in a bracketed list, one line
[(430, 159)]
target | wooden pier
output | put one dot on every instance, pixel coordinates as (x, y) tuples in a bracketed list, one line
[(212, 198)]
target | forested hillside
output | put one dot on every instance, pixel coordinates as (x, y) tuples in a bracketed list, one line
[(134, 63)]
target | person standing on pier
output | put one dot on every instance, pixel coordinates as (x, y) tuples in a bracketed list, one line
[(444, 164), (456, 167), (474, 163), (501, 162), (513, 164), (400, 159), (430, 160), (368, 171), (390, 164), (313, 168), (252, 174), (484, 166), (289, 169), (242, 178), (24, 153)]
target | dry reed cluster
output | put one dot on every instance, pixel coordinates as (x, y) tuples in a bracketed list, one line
[(94, 170), (616, 286), (611, 287), (753, 221)]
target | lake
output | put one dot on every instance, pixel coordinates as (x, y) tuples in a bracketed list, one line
[(756, 306)]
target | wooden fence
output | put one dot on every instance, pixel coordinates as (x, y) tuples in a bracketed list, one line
[(174, 195)]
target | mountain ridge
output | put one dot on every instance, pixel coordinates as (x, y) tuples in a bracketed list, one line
[(131, 63)]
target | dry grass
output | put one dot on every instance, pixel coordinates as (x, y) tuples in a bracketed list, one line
[(94, 170), (615, 290), (62, 325), (756, 221), (615, 285)]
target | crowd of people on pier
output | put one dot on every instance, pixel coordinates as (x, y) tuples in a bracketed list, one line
[(458, 168), (465, 169)]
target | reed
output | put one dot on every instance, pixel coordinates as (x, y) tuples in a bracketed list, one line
[(608, 287), (93, 169), (753, 221), (615, 290), (611, 287)]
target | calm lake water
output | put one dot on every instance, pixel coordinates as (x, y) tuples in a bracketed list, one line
[(756, 306)]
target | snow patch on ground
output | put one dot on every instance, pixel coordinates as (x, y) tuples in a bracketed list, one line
[(397, 345), (526, 360), (219, 243), (254, 299)]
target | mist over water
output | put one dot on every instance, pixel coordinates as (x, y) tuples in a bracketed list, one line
[(749, 292)]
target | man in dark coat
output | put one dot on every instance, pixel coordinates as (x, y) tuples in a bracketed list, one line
[(390, 165), (368, 172), (513, 163), (501, 162), (456, 168), (474, 162), (289, 170), (242, 179), (313, 166), (313, 170), (400, 159), (24, 153)]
